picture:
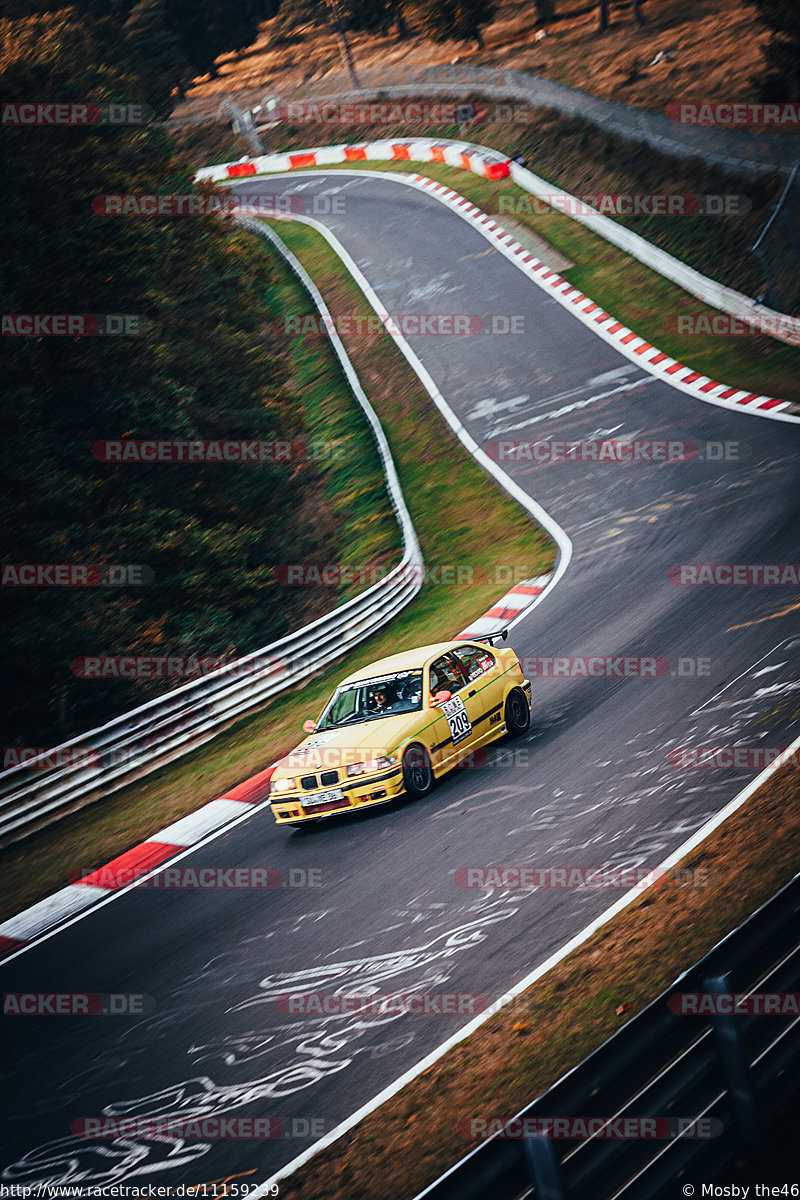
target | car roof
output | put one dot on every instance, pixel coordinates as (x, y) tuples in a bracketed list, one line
[(402, 661)]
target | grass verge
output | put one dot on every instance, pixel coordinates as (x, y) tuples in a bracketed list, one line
[(461, 517), (518, 1054), (358, 512), (632, 292)]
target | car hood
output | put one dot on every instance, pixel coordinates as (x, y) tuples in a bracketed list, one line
[(335, 748)]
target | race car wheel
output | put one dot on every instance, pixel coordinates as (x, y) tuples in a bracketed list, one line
[(417, 771), (517, 714)]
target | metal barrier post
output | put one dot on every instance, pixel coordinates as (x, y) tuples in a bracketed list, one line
[(544, 1167), (738, 1078)]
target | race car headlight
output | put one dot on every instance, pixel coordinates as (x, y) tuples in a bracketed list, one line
[(284, 785), (372, 764)]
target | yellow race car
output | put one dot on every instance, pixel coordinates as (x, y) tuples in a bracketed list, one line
[(397, 725)]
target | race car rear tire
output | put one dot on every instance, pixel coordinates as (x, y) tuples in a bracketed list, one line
[(417, 772), (517, 712)]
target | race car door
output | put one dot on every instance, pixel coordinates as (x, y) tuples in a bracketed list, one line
[(455, 725), (483, 691)]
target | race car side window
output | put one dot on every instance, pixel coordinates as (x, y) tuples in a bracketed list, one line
[(474, 660), (445, 675)]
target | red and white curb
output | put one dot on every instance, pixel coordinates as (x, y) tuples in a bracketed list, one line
[(507, 609), (176, 839), (491, 165), (478, 159), (126, 869), (636, 348), (134, 864)]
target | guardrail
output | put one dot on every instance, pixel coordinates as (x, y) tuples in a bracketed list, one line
[(242, 122), (719, 1078), (781, 326), (732, 149), (157, 733), (491, 164)]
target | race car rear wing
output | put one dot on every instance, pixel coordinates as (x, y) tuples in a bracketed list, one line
[(491, 638)]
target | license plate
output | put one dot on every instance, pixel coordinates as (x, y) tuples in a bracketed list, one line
[(323, 798)]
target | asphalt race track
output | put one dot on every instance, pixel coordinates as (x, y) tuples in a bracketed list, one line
[(591, 785)]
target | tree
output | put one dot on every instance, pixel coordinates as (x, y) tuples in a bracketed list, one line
[(204, 372), (603, 19), (370, 16), (781, 53), (207, 28), (460, 20), (154, 53), (202, 29), (374, 16)]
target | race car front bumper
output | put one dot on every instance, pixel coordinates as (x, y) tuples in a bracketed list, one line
[(378, 788)]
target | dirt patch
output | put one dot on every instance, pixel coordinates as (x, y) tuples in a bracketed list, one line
[(715, 48)]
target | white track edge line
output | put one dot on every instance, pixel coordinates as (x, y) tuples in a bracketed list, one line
[(495, 234), (573, 944), (249, 808), (548, 523)]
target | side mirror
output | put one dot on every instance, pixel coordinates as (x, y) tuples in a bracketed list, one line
[(308, 727), (441, 698)]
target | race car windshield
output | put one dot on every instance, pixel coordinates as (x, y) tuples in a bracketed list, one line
[(370, 699)]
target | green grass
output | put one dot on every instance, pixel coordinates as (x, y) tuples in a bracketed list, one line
[(367, 532), (632, 292), (461, 517)]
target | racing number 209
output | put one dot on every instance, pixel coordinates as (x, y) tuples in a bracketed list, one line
[(457, 719)]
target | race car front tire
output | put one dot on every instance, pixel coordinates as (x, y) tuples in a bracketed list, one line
[(417, 772)]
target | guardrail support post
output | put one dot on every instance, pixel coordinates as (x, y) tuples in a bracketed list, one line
[(738, 1078), (544, 1168)]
